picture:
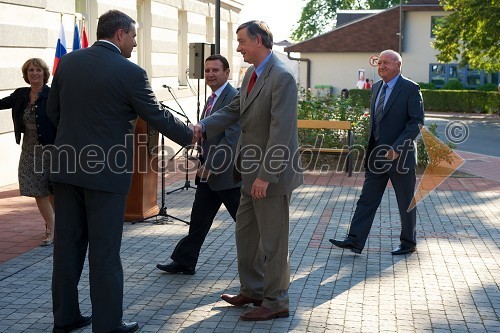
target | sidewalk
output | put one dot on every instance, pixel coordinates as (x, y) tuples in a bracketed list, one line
[(458, 115), (450, 284)]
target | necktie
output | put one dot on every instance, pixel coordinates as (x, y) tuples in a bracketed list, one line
[(253, 78), (210, 104), (379, 111)]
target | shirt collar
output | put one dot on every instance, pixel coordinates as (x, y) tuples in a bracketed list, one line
[(263, 64), (392, 82), (107, 41), (219, 91)]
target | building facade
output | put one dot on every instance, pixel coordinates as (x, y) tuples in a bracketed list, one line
[(338, 58)]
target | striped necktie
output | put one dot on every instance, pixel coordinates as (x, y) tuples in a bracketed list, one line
[(379, 111), (210, 104)]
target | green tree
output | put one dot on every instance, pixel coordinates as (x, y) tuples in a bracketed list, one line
[(470, 33), (319, 16)]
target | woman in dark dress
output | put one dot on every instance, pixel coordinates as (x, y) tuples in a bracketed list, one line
[(30, 118)]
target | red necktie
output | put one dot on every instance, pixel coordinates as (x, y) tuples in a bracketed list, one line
[(253, 78), (210, 104)]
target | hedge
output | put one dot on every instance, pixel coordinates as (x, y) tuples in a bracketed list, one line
[(466, 101)]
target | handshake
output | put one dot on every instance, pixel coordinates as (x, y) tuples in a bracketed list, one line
[(197, 132)]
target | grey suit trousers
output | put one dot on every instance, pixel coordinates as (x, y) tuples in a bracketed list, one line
[(262, 228)]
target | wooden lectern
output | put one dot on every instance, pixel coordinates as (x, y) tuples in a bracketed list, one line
[(142, 199)]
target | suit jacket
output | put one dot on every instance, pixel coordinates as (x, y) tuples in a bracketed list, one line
[(219, 151), (95, 99), (403, 113), (268, 145), (18, 101)]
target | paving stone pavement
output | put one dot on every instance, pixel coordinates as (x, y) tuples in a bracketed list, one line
[(451, 284)]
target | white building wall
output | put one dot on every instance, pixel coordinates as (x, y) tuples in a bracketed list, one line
[(339, 70), (417, 50)]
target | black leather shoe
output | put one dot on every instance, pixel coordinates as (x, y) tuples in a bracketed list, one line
[(175, 268), (401, 249), (346, 244), (81, 322), (126, 328)]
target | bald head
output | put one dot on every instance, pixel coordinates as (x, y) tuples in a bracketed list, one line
[(389, 65)]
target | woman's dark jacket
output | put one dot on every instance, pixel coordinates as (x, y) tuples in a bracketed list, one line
[(18, 101)]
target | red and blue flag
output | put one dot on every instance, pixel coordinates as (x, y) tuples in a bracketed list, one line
[(60, 49)]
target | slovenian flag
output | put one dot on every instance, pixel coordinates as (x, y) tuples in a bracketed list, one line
[(60, 49), (76, 39), (85, 41)]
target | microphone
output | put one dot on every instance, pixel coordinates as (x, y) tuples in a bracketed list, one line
[(168, 87)]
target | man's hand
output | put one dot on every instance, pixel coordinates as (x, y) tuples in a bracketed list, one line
[(198, 131), (391, 155), (259, 189), (203, 173), (195, 135)]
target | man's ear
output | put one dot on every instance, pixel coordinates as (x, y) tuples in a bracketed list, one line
[(259, 39), (119, 34)]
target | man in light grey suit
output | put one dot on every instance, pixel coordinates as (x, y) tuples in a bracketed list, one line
[(94, 102), (397, 111), (268, 163), (215, 184)]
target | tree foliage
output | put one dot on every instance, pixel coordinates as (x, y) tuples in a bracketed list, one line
[(319, 16), (471, 34)]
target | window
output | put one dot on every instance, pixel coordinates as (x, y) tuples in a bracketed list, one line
[(473, 78), (438, 75), (435, 22), (454, 72)]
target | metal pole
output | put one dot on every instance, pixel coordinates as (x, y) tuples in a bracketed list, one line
[(400, 24), (217, 26)]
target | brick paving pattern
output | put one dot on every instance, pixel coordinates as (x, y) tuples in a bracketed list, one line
[(451, 284)]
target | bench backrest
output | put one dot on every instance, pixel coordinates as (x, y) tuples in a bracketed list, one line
[(326, 124)]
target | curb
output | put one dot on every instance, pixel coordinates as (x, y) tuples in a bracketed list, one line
[(465, 116)]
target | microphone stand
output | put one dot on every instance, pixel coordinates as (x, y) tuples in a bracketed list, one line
[(163, 209), (187, 182), (183, 114)]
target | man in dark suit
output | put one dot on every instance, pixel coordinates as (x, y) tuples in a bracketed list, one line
[(96, 96), (215, 184), (396, 113), (268, 164)]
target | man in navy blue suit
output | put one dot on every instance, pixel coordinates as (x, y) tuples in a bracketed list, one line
[(396, 113), (96, 96), (214, 179)]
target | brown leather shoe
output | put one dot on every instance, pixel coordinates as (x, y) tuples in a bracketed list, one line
[(263, 313), (240, 300)]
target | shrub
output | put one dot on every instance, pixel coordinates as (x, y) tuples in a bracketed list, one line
[(430, 86), (469, 101), (487, 87), (361, 96), (461, 101), (453, 85), (333, 108)]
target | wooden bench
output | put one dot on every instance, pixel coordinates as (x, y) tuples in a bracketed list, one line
[(330, 125)]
